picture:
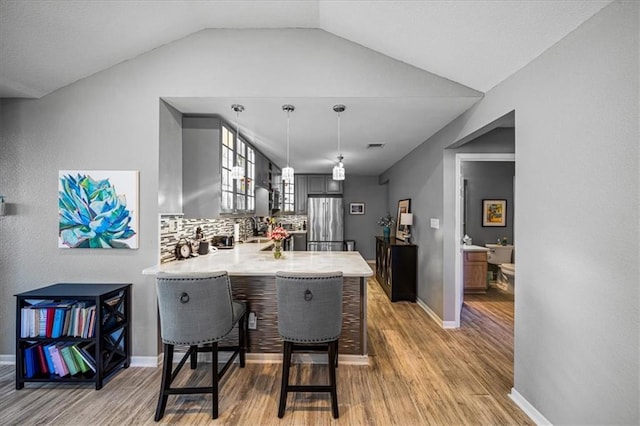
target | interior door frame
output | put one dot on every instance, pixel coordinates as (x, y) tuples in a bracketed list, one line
[(458, 275)]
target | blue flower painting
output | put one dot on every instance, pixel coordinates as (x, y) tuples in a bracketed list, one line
[(98, 209)]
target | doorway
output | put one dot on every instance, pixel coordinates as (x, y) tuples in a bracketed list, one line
[(460, 160)]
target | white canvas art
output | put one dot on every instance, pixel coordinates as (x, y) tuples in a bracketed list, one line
[(98, 209)]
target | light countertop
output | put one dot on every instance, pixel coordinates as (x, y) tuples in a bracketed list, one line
[(248, 259), (471, 247)]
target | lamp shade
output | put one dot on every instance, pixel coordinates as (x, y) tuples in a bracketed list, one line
[(287, 174), (406, 219)]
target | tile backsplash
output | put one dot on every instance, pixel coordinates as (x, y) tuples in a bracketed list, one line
[(186, 228)]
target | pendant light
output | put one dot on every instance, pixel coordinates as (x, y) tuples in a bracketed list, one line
[(338, 169), (287, 172), (237, 172)]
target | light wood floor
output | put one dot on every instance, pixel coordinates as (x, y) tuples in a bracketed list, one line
[(419, 374)]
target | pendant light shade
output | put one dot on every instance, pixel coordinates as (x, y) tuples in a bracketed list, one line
[(237, 172), (287, 172), (338, 169)]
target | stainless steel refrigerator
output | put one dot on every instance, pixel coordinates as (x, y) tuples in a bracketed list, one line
[(325, 224)]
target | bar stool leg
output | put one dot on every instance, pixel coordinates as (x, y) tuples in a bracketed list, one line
[(167, 364), (194, 357), (333, 355), (284, 389), (215, 378), (242, 336)]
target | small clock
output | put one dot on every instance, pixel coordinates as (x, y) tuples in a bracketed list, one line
[(183, 249)]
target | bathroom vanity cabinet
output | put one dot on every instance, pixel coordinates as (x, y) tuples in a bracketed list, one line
[(475, 271)]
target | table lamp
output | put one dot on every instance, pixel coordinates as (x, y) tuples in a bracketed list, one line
[(406, 219)]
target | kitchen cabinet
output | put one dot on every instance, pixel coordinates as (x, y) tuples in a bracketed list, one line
[(299, 241), (277, 199), (475, 272), (301, 194), (323, 184), (263, 177), (201, 176), (396, 268)]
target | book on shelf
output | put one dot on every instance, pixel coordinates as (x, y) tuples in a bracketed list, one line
[(43, 367), (60, 367), (47, 357), (25, 322), (68, 359), (87, 357), (65, 322), (58, 322), (82, 364), (29, 362)]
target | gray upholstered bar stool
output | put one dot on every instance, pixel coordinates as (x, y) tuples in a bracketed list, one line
[(197, 310), (309, 319)]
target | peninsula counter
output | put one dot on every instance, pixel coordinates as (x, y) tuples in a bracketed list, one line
[(252, 269)]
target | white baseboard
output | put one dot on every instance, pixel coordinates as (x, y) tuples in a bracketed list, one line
[(434, 316), (528, 409), (7, 359), (145, 361)]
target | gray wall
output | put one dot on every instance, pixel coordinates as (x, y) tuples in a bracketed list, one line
[(576, 324), (170, 160), (488, 180), (363, 228)]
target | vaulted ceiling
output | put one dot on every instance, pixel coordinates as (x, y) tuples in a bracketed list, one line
[(46, 45)]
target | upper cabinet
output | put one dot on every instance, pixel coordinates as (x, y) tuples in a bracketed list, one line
[(323, 184), (263, 176), (301, 193), (201, 179)]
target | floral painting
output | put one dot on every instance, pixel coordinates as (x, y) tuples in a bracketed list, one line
[(98, 209)]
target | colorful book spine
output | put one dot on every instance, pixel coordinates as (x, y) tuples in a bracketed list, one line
[(60, 367), (58, 320), (47, 356), (82, 365), (43, 367), (29, 363), (86, 356), (68, 359)]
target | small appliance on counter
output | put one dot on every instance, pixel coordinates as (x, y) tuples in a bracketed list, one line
[(222, 241)]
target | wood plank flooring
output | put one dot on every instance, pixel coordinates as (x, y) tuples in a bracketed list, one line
[(419, 374)]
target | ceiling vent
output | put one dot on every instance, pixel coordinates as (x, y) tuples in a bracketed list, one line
[(375, 146)]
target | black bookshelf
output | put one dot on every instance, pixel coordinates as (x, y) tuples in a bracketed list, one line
[(110, 344)]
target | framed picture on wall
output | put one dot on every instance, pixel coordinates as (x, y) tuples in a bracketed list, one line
[(404, 206), (494, 212), (107, 200), (356, 208)]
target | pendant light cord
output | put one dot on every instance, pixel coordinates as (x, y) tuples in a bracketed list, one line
[(339, 151), (288, 111)]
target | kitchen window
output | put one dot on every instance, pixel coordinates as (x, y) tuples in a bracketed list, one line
[(289, 197), (238, 195)]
